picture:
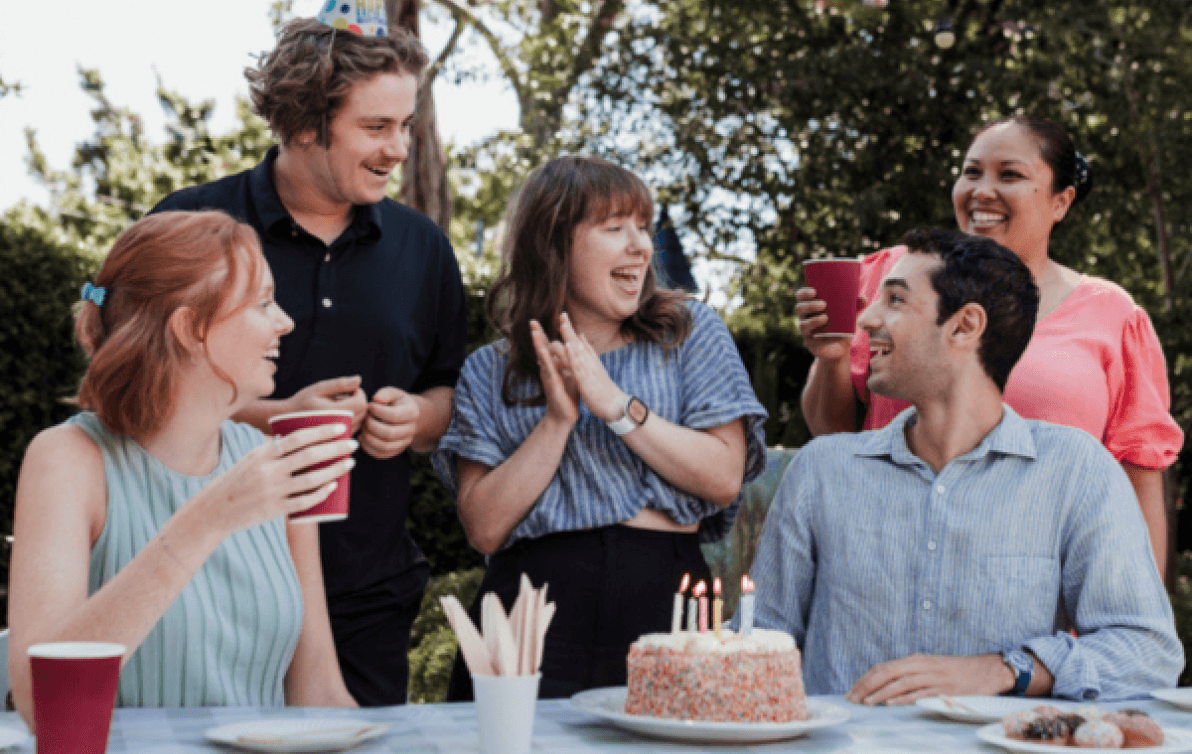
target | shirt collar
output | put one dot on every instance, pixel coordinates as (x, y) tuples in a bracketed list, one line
[(276, 219), (1011, 436)]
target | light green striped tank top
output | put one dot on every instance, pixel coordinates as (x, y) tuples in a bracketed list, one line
[(229, 637)]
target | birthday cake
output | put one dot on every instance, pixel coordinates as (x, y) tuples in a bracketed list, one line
[(698, 676)]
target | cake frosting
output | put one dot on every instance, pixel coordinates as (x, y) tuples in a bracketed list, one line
[(697, 676)]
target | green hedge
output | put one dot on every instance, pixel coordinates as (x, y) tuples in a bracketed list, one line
[(40, 364), (432, 643)]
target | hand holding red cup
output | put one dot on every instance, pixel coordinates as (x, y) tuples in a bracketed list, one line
[(828, 308), (335, 507), (837, 282)]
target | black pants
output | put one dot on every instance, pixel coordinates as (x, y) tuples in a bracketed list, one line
[(609, 586), (372, 639)]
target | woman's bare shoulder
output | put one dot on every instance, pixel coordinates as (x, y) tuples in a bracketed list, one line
[(63, 469)]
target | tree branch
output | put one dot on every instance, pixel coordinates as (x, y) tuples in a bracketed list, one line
[(428, 78), (463, 14), (602, 20)]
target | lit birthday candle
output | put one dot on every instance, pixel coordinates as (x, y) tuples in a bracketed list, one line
[(700, 593), (747, 598), (677, 613), (692, 613), (717, 606)]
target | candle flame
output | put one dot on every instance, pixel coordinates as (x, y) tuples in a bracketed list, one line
[(698, 590), (685, 583), (716, 586), (746, 584)]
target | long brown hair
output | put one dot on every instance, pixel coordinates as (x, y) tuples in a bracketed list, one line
[(532, 285), (161, 263)]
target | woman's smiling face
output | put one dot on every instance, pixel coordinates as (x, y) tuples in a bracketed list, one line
[(607, 269), (1005, 191)]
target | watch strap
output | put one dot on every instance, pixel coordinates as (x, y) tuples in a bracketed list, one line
[(625, 424), (1023, 666)]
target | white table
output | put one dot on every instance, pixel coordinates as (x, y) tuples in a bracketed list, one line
[(560, 729)]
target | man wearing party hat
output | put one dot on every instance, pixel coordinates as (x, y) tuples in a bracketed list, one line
[(375, 294)]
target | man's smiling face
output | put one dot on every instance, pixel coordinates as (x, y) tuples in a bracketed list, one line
[(906, 345), (369, 137)]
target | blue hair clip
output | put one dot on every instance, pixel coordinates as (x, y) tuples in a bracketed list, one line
[(93, 294)]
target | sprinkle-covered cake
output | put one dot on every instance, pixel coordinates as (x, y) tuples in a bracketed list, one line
[(697, 676)]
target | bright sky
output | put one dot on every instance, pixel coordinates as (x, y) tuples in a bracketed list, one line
[(199, 50)]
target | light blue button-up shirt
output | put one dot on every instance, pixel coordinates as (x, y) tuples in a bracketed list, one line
[(868, 555)]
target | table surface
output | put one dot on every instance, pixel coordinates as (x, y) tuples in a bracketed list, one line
[(560, 728)]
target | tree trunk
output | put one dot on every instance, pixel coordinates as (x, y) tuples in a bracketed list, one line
[(424, 174)]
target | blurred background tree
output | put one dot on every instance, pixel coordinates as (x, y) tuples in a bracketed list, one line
[(800, 128)]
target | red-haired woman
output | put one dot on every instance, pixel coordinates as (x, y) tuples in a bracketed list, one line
[(154, 521), (608, 433)]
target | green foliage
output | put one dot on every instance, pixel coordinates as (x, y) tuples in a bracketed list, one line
[(798, 128), (118, 175), (40, 365), (432, 643)]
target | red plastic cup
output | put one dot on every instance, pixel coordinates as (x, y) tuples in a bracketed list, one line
[(837, 282), (74, 690), (335, 507)]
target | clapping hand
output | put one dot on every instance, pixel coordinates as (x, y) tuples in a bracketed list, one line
[(604, 398), (558, 381)]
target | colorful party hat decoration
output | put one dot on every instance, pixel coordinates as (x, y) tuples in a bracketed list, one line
[(364, 17)]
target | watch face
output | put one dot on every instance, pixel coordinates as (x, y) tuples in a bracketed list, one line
[(637, 411)]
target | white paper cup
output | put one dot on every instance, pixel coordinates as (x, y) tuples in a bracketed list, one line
[(505, 709)]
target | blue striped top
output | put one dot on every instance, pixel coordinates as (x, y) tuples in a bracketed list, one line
[(600, 481), (868, 555), (228, 639)]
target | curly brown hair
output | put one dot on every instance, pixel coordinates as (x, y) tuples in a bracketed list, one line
[(299, 86), (532, 285)]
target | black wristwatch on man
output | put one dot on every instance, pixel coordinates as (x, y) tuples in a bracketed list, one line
[(1022, 665)]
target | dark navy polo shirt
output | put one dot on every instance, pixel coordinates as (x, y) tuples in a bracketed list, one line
[(383, 301)]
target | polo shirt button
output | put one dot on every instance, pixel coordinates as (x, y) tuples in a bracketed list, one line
[(940, 489), (328, 257), (931, 545), (926, 604), (326, 303)]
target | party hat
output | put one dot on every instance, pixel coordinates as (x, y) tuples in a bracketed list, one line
[(364, 17)]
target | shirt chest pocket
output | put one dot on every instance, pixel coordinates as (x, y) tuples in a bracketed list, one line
[(1018, 599)]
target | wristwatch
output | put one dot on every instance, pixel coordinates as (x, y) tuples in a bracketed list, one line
[(1022, 665), (633, 415)]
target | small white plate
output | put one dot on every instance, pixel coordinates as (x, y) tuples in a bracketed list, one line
[(1181, 698), (1177, 742), (609, 703), (297, 734), (10, 737), (988, 709)]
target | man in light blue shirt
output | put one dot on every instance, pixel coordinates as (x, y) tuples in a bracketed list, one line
[(941, 554)]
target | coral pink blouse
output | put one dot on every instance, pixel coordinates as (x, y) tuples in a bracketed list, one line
[(1094, 363)]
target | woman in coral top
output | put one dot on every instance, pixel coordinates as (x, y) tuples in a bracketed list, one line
[(1094, 361)]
